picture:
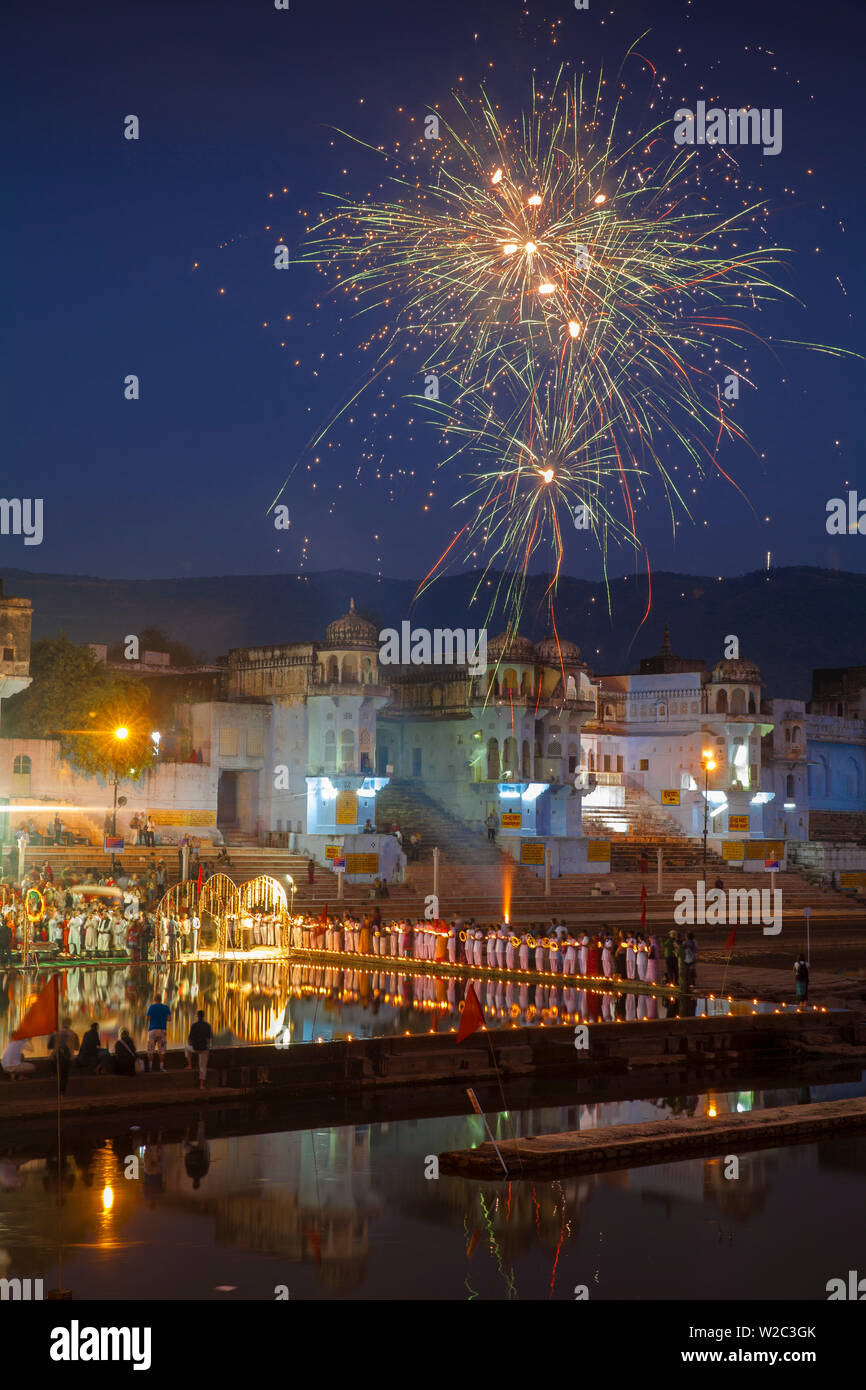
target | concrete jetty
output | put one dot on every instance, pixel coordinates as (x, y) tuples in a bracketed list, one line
[(657, 1141)]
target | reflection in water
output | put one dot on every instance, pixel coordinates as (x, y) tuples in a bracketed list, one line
[(357, 1211), (259, 1001)]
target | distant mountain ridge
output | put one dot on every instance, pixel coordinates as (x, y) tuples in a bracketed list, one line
[(788, 621)]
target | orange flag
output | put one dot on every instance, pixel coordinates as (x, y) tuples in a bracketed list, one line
[(41, 1018), (472, 1016)]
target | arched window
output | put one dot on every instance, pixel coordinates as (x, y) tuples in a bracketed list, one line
[(493, 759), (526, 760), (722, 702), (853, 781), (738, 701), (333, 672), (789, 787), (661, 712), (796, 734), (367, 675), (22, 768), (510, 684), (751, 702), (571, 688), (350, 670), (347, 750), (554, 749), (572, 758), (526, 684), (330, 750), (509, 758)]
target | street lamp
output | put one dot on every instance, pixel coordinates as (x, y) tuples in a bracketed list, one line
[(709, 766), (121, 734)]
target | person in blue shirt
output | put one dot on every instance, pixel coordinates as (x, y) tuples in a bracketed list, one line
[(157, 1023)]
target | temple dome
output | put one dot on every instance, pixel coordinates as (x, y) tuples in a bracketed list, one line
[(548, 652), (736, 669), (512, 645), (351, 630)]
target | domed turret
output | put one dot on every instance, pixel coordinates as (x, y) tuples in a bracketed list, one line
[(511, 645), (552, 653), (351, 631)]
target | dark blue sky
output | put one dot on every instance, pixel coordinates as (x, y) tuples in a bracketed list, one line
[(236, 100)]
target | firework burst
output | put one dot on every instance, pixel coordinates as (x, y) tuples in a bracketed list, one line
[(577, 297)]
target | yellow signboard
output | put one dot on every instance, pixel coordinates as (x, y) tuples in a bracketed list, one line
[(732, 849), (738, 823), (852, 879), (347, 808), (333, 851), (362, 863), (510, 820), (168, 817), (202, 818), (765, 849), (671, 797), (531, 852), (598, 851)]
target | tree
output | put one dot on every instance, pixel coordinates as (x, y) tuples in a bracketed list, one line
[(73, 700)]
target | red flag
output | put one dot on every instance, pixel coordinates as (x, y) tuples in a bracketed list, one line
[(643, 892), (472, 1016), (731, 941), (198, 881), (41, 1018)]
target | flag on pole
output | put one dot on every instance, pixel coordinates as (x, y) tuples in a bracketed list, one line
[(731, 941), (472, 1016), (42, 1016), (198, 881)]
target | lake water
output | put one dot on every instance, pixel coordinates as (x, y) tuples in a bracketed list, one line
[(256, 1001), (349, 1212)]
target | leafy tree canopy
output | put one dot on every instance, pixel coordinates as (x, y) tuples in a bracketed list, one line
[(72, 699)]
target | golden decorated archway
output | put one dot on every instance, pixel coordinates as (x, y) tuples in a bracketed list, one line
[(267, 894)]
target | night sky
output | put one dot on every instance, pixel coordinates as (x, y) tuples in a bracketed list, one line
[(238, 101)]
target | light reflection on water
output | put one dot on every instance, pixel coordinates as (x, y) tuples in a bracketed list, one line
[(348, 1213), (257, 1001)]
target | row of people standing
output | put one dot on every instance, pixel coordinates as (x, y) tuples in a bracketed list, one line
[(553, 948)]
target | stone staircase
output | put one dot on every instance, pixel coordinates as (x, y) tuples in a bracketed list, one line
[(476, 866)]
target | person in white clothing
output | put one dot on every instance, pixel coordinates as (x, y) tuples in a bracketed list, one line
[(539, 953), (582, 953), (501, 943), (195, 927), (13, 1062), (523, 952), (75, 924)]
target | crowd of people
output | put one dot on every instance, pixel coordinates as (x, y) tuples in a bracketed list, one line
[(91, 915), (90, 1057), (554, 947)]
